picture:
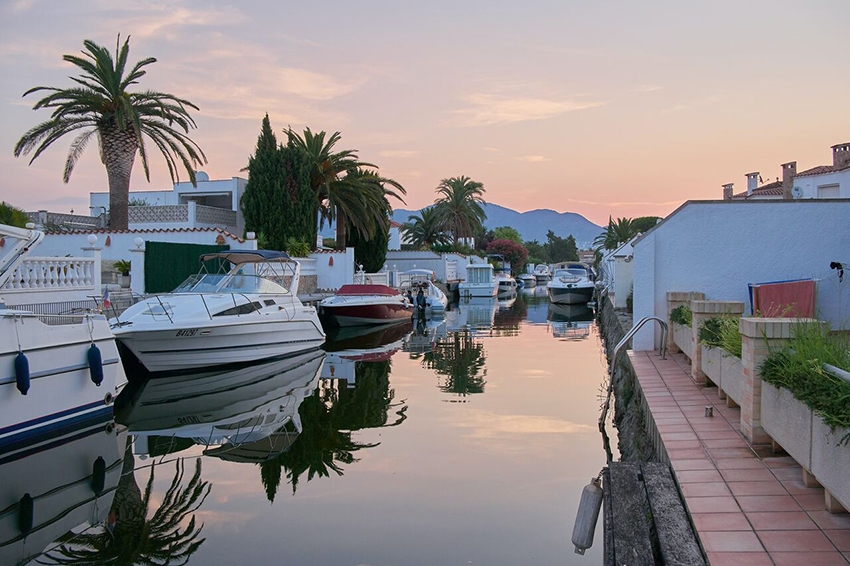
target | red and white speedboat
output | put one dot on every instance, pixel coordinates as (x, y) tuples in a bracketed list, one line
[(354, 305)]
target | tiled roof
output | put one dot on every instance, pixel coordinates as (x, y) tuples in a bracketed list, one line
[(147, 231), (770, 189), (822, 170), (395, 224)]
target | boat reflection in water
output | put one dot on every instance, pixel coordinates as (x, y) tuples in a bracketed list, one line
[(249, 414), (67, 482), (570, 322), (475, 314)]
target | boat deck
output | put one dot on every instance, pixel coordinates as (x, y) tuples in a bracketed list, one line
[(748, 505)]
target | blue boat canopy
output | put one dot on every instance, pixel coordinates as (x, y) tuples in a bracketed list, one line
[(237, 257)]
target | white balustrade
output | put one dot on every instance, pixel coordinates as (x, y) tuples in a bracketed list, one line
[(53, 273)]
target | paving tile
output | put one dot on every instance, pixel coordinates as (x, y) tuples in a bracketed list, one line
[(678, 436), (666, 429), (740, 464), (731, 541), (718, 434), (841, 539), (747, 474), (691, 476), (795, 541), (705, 489), (767, 503), (711, 425), (781, 521), (756, 488), (696, 464), (797, 486), (682, 445), (720, 453), (705, 522), (826, 520), (807, 559), (725, 442), (739, 559), (686, 454), (716, 504), (810, 501), (780, 462)]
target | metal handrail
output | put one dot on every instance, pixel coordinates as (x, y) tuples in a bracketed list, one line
[(620, 345)]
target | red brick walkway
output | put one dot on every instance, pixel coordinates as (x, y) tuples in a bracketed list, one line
[(749, 507)]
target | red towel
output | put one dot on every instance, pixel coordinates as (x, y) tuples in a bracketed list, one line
[(795, 299)]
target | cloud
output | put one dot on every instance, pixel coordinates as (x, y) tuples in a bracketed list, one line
[(488, 109), (491, 425), (492, 149), (398, 153), (608, 203), (648, 88), (164, 20), (534, 158)]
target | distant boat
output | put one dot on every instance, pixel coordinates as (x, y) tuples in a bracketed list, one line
[(541, 273), (528, 280), (415, 279), (247, 314), (507, 284), (354, 305), (572, 283), (479, 282)]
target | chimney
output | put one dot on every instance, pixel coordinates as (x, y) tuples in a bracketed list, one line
[(727, 191), (789, 170), (841, 155), (752, 182)]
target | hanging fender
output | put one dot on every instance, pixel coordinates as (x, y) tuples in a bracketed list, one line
[(22, 373), (95, 364), (25, 514), (98, 475)]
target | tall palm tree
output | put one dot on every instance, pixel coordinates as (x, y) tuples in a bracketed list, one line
[(616, 233), (459, 206), (102, 105), (348, 190), (424, 231)]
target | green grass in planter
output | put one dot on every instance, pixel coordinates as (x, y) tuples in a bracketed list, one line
[(682, 315), (722, 332), (799, 368)]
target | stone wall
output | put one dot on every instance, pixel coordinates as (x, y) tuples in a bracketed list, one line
[(629, 417)]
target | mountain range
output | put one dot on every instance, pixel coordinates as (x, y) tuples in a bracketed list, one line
[(531, 225)]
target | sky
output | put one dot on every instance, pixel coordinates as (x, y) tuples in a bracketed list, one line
[(616, 108)]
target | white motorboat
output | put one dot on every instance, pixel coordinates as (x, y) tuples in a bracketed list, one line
[(65, 484), (354, 305), (542, 273), (506, 283), (416, 279), (59, 372), (572, 284), (244, 414), (480, 281), (247, 314), (528, 280)]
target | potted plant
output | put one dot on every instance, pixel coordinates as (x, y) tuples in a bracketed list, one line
[(123, 268)]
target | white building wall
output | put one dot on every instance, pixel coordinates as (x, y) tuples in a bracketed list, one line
[(719, 247), (623, 279), (811, 183), (406, 260), (334, 269), (395, 239)]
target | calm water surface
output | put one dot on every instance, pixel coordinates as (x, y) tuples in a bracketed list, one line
[(465, 442)]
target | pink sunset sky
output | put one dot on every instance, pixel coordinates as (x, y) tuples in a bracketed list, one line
[(601, 108)]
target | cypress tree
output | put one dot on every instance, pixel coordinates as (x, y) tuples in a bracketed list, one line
[(370, 253)]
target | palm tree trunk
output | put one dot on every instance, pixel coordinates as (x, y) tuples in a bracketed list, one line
[(341, 231), (118, 152)]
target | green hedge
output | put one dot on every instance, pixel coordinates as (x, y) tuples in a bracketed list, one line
[(682, 315)]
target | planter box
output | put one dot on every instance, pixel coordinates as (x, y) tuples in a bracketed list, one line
[(731, 376), (830, 462), (711, 359), (683, 337), (788, 422)]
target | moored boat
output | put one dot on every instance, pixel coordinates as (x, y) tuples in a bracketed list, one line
[(542, 273), (354, 305), (528, 280), (480, 281), (416, 279), (572, 283), (243, 315)]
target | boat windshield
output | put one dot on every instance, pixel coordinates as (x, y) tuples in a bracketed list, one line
[(571, 272), (249, 278)]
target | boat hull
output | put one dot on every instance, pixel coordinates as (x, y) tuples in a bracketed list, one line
[(570, 295), (62, 396), (193, 345), (478, 290), (355, 315)]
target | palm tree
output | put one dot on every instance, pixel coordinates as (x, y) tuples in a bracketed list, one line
[(122, 120), (348, 190), (616, 233), (424, 231), (459, 207)]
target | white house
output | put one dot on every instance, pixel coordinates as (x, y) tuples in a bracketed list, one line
[(823, 181), (719, 247)]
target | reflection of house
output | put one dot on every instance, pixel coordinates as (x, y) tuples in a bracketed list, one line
[(210, 203), (823, 181)]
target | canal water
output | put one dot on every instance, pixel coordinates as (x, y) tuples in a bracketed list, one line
[(464, 441)]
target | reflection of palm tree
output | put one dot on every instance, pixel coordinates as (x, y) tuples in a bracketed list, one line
[(506, 322), (460, 358), (135, 539), (325, 443)]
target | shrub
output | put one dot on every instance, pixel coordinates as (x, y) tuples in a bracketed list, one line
[(297, 248), (722, 332), (799, 368), (682, 315), (123, 266)]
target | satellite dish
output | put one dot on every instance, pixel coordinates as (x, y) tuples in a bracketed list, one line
[(797, 192)]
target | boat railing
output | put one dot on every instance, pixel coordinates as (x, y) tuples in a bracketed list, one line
[(613, 363), (53, 319)]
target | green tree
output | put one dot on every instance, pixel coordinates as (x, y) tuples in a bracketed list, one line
[(460, 206), (101, 104), (616, 233), (507, 233), (12, 215), (642, 224), (424, 231), (537, 252), (561, 249), (371, 253)]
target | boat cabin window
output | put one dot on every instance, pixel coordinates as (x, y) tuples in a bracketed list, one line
[(240, 309)]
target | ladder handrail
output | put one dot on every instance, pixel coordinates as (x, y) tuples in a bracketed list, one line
[(664, 331)]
